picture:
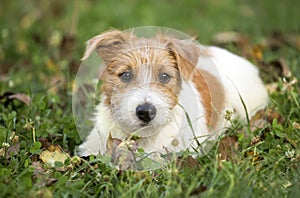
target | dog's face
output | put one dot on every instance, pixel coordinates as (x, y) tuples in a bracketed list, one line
[(143, 78)]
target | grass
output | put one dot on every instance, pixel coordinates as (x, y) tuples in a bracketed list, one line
[(41, 44)]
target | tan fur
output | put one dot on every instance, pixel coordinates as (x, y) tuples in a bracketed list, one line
[(208, 86)]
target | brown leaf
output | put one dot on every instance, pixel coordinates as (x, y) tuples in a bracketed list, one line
[(254, 156), (282, 66), (275, 41), (228, 148), (197, 192), (19, 96), (41, 175), (255, 140), (272, 87), (45, 142), (259, 120), (4, 68), (187, 162), (296, 125), (67, 44), (123, 153), (273, 114), (293, 40), (111, 144), (223, 38), (256, 52), (13, 150)]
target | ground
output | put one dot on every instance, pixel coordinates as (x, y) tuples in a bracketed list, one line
[(41, 45)]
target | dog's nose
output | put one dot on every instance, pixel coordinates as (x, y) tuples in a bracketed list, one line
[(145, 112)]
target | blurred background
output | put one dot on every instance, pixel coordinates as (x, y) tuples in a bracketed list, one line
[(41, 42)]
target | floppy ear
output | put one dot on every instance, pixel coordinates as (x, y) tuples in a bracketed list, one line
[(186, 53), (107, 44)]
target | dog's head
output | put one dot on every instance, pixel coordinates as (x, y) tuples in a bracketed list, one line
[(143, 77)]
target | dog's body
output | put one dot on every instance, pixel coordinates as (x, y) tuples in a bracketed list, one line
[(150, 85)]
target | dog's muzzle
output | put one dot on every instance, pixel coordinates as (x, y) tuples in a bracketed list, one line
[(145, 112)]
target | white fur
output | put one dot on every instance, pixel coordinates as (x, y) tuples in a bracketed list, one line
[(237, 75), (124, 113)]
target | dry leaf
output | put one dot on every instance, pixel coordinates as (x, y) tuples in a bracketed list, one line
[(13, 150), (272, 114), (259, 120), (19, 96), (228, 148), (272, 87), (296, 125), (256, 52), (289, 85), (275, 41), (187, 162), (282, 66), (255, 156), (227, 38), (293, 40), (255, 140), (50, 157), (123, 153), (39, 172)]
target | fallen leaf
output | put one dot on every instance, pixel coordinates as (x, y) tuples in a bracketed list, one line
[(19, 96), (259, 120), (256, 52), (228, 38), (53, 148), (4, 69), (254, 156), (123, 153), (45, 142), (50, 157), (197, 192), (289, 85), (13, 150), (187, 162), (228, 148), (272, 87), (41, 175), (296, 125), (255, 140), (13, 147), (67, 44), (275, 41), (272, 114), (293, 40), (282, 66)]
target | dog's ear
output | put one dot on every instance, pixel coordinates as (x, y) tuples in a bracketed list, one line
[(186, 53), (107, 44)]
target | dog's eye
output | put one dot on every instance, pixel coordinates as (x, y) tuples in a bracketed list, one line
[(164, 78), (126, 76)]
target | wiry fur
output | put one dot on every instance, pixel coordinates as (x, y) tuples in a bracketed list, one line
[(205, 82)]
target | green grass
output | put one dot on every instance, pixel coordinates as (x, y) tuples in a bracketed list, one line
[(41, 44)]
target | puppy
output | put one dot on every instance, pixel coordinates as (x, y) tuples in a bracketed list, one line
[(170, 94)]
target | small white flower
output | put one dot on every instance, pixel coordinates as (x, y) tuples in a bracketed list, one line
[(290, 153), (5, 144)]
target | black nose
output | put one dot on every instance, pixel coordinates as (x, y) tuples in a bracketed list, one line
[(145, 112)]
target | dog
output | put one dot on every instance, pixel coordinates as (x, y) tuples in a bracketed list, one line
[(169, 94)]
